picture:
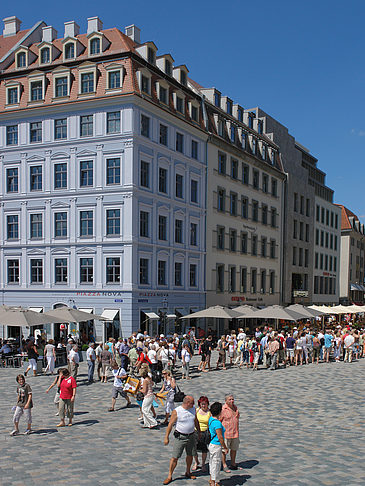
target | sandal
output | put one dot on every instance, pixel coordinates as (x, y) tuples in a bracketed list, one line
[(195, 467), (226, 470)]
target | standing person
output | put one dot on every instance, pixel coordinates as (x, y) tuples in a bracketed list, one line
[(50, 354), (208, 344), (289, 344), (185, 421), (147, 389), (98, 351), (316, 348), (119, 374), (203, 415), (202, 352), (328, 337), (337, 347), (67, 385), (90, 357), (230, 419), (106, 359), (73, 360), (217, 445), (169, 386), (56, 400), (32, 358), (273, 351), (256, 352), (348, 343), (298, 350), (24, 406), (123, 351), (222, 347), (185, 358)]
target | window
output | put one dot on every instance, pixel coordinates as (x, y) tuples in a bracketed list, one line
[(193, 275), (336, 243), (113, 270), (327, 217), (254, 146), (162, 228), (183, 78), (178, 274), (13, 97), (113, 122), (294, 255), (263, 246), (221, 200), (244, 140), (61, 87), (193, 191), (322, 215), (272, 282), (161, 272), (144, 224), (194, 149), (168, 67), (145, 84), (60, 129), (307, 232), (60, 225), (36, 90), (263, 151), (179, 142), (317, 212), (12, 135), (163, 135), (274, 187), (336, 221), (45, 55), (232, 279), (70, 50), (254, 245), (301, 231), (295, 229), (86, 223), (256, 179), (145, 126), (21, 60), (194, 113), (306, 257), (244, 207), (253, 281), (36, 230), (244, 243), (273, 217), (179, 186), (233, 134), (12, 227), (233, 204), (86, 125), (60, 176), (163, 95), (322, 238), (113, 222), (143, 271), (13, 271), (95, 46), (265, 183), (308, 208), (221, 163), (12, 180), (264, 210), (35, 132), (232, 240), (272, 248), (220, 237), (86, 270), (220, 278), (301, 205), (162, 180), (113, 171), (145, 174), (316, 261), (114, 79), (255, 211), (87, 83), (179, 104), (86, 173), (245, 173), (243, 280), (178, 231), (193, 234), (35, 178), (234, 169), (240, 115), (263, 282), (61, 270), (36, 271)]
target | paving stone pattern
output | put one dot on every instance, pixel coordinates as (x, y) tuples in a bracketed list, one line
[(299, 426)]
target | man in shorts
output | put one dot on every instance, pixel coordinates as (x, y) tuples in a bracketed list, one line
[(119, 374), (230, 417)]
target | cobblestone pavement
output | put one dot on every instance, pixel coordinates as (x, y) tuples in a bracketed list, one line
[(299, 426)]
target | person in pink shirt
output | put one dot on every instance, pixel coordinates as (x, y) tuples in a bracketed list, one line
[(230, 419)]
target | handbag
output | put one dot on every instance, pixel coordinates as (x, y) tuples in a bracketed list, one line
[(179, 395)]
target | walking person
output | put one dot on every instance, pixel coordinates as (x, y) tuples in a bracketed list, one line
[(185, 421), (23, 406), (169, 386), (147, 389), (222, 347), (32, 358), (67, 385), (217, 445), (90, 357), (230, 420), (273, 351), (56, 399), (203, 415), (50, 353), (106, 359), (98, 351), (185, 358), (120, 375), (73, 361), (328, 337)]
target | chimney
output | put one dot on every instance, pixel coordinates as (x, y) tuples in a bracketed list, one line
[(49, 34), (11, 26), (134, 33), (94, 24), (71, 29)]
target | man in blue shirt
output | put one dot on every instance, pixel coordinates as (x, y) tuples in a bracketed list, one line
[(327, 346), (6, 349)]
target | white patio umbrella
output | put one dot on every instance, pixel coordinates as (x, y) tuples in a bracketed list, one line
[(340, 309), (216, 311), (356, 309), (18, 316), (246, 311), (321, 308), (279, 312), (310, 313), (68, 314)]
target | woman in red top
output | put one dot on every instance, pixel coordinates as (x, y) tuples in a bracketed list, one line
[(67, 385)]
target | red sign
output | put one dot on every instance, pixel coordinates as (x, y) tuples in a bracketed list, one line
[(238, 299)]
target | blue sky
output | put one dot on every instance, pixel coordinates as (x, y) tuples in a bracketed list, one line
[(302, 62)]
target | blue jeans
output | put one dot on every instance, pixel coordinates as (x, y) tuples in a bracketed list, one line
[(90, 371)]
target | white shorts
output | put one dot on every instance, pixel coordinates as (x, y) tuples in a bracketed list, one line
[(19, 411), (33, 364), (170, 406)]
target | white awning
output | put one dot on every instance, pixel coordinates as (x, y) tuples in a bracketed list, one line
[(36, 309), (88, 310), (109, 314), (152, 315), (171, 316), (355, 287)]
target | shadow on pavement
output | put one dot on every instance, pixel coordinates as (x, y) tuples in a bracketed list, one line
[(86, 423), (248, 464), (235, 480), (44, 431), (80, 413)]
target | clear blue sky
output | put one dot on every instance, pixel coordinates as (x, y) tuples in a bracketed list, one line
[(302, 62)]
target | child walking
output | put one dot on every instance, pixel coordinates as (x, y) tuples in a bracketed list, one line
[(23, 405)]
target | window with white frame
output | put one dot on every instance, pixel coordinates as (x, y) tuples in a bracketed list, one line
[(86, 270), (36, 271), (21, 59), (113, 171), (12, 95), (61, 86), (69, 50), (94, 46), (60, 268), (113, 122), (45, 55), (113, 270), (86, 223), (35, 132), (12, 180), (13, 271), (60, 224), (115, 75)]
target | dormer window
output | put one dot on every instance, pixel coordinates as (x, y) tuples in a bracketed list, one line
[(95, 46), (259, 126), (240, 114), (168, 67), (21, 60), (229, 107), (45, 55), (217, 99), (144, 80), (251, 117), (183, 78), (36, 90), (179, 104), (115, 76), (61, 88), (264, 151), (244, 140), (12, 96), (233, 133), (145, 84), (114, 79), (70, 50), (194, 113), (151, 56), (87, 83)]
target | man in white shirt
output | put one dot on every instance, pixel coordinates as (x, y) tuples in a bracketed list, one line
[(348, 343), (90, 357), (119, 374), (73, 360)]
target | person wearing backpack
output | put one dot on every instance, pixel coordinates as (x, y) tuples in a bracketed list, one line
[(256, 353)]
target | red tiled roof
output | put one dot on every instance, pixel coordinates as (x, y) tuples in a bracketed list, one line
[(7, 43), (345, 215)]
